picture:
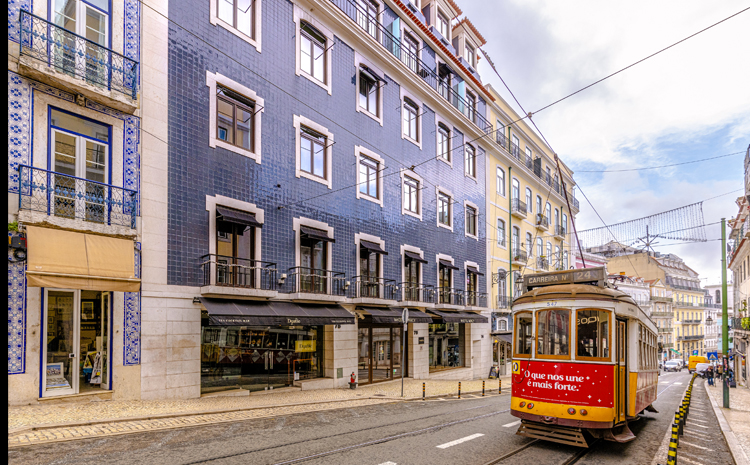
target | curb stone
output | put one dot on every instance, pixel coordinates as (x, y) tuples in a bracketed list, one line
[(738, 453)]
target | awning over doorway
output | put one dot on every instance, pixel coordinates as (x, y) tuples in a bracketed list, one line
[(224, 312), (372, 247), (392, 315), (316, 234), (230, 215), (448, 264), (459, 317), (507, 337), (74, 260), (414, 256)]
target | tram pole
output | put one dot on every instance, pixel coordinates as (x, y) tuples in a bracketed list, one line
[(724, 313), (405, 318)]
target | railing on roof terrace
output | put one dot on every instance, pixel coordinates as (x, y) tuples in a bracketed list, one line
[(77, 56), (401, 51), (65, 196)]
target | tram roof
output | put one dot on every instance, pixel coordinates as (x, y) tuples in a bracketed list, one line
[(574, 291)]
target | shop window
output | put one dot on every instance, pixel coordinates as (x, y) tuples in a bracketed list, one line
[(379, 354), (553, 333), (593, 333), (446, 344), (523, 337)]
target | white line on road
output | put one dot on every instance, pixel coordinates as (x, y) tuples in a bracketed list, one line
[(695, 445), (696, 424), (459, 441), (389, 463), (682, 457), (512, 424), (677, 383)]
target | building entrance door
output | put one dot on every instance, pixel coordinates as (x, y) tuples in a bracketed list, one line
[(380, 353)]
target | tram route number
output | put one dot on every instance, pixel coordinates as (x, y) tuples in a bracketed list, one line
[(552, 304)]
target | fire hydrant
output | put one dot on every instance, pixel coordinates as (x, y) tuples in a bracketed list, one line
[(353, 381)]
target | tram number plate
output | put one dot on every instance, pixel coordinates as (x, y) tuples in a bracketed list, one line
[(552, 304), (516, 368)]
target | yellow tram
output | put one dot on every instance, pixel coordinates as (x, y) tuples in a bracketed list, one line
[(585, 358)]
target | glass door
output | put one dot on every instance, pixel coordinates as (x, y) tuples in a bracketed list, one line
[(105, 331), (61, 328), (621, 370), (86, 53)]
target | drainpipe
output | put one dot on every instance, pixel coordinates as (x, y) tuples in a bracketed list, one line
[(510, 230)]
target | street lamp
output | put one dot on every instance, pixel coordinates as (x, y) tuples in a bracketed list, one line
[(709, 320)]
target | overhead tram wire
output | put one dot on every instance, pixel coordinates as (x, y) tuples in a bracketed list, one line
[(661, 166)]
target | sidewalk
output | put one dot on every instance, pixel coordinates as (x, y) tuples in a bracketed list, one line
[(734, 421), (56, 422)]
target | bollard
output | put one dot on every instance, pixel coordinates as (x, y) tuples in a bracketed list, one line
[(459, 389), (482, 388), (681, 423), (500, 387), (423, 389), (676, 433), (672, 454)]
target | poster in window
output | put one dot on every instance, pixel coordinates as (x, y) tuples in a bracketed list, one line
[(87, 310)]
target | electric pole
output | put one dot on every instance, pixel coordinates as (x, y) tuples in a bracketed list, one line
[(724, 313)]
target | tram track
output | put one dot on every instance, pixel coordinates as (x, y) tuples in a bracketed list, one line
[(579, 454)]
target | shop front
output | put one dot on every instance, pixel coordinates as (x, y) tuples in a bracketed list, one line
[(259, 345), (380, 343), (448, 338), (78, 275)]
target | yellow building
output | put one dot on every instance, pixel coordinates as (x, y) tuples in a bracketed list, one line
[(529, 222)]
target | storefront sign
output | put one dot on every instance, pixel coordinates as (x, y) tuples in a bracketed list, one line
[(577, 384), (304, 346)]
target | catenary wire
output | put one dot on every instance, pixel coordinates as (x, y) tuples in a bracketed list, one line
[(660, 166)]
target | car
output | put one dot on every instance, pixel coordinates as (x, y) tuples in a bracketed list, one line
[(673, 365), (701, 368)]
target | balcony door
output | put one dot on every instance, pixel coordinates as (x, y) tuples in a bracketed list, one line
[(79, 157), (235, 248), (84, 56), (369, 270), (411, 275), (313, 265)]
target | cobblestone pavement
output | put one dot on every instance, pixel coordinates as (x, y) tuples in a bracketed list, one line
[(738, 413), (59, 422)]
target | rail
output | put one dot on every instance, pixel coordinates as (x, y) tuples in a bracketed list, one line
[(228, 271), (372, 287), (542, 263), (450, 296), (412, 292), (542, 220), (66, 196), (77, 56), (519, 255), (519, 206), (315, 281), (475, 299), (560, 230), (503, 301)]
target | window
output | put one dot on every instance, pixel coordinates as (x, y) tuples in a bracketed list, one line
[(471, 106), (234, 118), (515, 189), (443, 143), (238, 14), (369, 273), (235, 251), (501, 233), (529, 243), (410, 51), (312, 52), (523, 336), (471, 221), (445, 282), (529, 205), (442, 23), (444, 210), (553, 333), (516, 238), (557, 217), (411, 195), (528, 153), (470, 158), (538, 204), (83, 19), (469, 55), (471, 287), (539, 247), (412, 277), (367, 16), (80, 149), (565, 260), (516, 145), (369, 93), (549, 251), (500, 181), (411, 115), (368, 176), (558, 258), (313, 263), (548, 211), (565, 222), (312, 152)]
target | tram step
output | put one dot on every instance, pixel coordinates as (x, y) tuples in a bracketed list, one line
[(560, 434)]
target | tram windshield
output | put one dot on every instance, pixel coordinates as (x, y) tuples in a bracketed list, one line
[(592, 333), (523, 333), (553, 332)]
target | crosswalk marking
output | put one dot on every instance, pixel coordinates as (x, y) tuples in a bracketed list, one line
[(512, 424), (459, 441)]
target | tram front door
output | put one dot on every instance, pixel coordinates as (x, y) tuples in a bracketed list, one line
[(621, 371)]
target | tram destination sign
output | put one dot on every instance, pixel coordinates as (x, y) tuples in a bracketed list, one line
[(595, 276)]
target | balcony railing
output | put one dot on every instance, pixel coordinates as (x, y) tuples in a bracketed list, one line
[(503, 301), (372, 288), (223, 270), (515, 150), (412, 292), (501, 140), (519, 255), (560, 230), (542, 263), (691, 322), (393, 44), (77, 56), (315, 281), (658, 298), (665, 330), (662, 314), (65, 196), (518, 206), (542, 220), (450, 296), (475, 299)]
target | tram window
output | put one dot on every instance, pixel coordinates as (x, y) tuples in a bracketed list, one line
[(593, 333), (553, 333), (523, 334)]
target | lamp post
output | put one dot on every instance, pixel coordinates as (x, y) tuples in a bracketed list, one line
[(724, 313)]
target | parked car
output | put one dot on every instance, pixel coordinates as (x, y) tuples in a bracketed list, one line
[(673, 365), (701, 369)]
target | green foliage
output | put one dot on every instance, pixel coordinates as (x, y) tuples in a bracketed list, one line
[(13, 226)]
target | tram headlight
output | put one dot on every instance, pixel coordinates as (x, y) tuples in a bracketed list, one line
[(522, 404), (571, 411), (583, 412), (530, 406)]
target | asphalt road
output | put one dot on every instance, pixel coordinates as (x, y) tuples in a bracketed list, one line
[(466, 431)]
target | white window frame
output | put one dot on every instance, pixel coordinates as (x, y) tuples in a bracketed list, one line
[(439, 12), (212, 201), (502, 190), (359, 150), (474, 162), (440, 190), (374, 239), (448, 258), (212, 81), (476, 220), (301, 15), (300, 121), (403, 173), (416, 250), (310, 223), (504, 244), (360, 60), (439, 120), (257, 23), (420, 116)]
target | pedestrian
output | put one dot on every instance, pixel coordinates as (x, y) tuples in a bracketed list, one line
[(710, 375)]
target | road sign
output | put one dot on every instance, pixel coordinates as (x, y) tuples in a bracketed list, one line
[(695, 352), (713, 356)]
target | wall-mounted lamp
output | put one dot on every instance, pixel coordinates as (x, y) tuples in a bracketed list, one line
[(282, 279), (196, 300), (346, 285)]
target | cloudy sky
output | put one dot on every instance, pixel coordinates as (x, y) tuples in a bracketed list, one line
[(687, 103)]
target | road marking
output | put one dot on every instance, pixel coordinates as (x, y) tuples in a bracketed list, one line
[(459, 441), (696, 424), (695, 445), (677, 384), (389, 463), (682, 457), (664, 382), (512, 424)]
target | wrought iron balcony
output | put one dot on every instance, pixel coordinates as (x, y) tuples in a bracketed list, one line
[(519, 257), (368, 287), (501, 140), (450, 296), (560, 231), (393, 44), (691, 322), (503, 301), (518, 208), (412, 292), (314, 281), (515, 150), (662, 314), (542, 263), (542, 221), (65, 196), (227, 271), (475, 299), (658, 298), (77, 56), (665, 330), (529, 162)]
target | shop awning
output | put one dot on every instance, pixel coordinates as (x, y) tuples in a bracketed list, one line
[(506, 337), (313, 233), (459, 317), (372, 247), (230, 215), (392, 315), (448, 264), (414, 257), (224, 312), (74, 260), (474, 270)]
